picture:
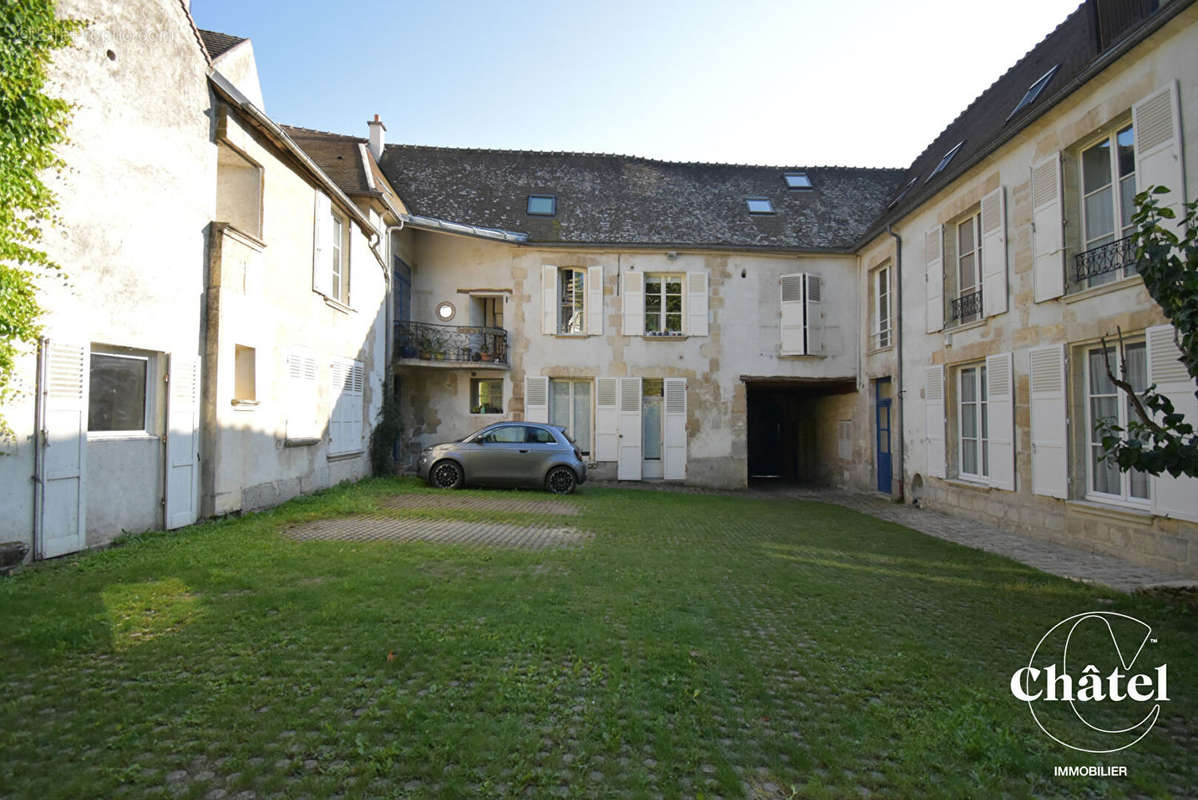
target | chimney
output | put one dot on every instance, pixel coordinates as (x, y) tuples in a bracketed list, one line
[(376, 136)]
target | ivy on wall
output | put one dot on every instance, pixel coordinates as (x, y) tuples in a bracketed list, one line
[(31, 124)]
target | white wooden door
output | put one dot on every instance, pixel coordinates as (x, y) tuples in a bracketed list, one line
[(628, 466), (61, 523), (183, 442)]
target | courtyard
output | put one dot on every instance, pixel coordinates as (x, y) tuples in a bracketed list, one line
[(382, 639)]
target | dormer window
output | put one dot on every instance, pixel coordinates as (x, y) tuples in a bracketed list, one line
[(1033, 91), (759, 205), (542, 205), (944, 161), (797, 180)]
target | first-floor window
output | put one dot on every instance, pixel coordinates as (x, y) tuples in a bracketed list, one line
[(571, 317), (1105, 401), (663, 304), (486, 395), (570, 407), (882, 307), (118, 393), (973, 423)]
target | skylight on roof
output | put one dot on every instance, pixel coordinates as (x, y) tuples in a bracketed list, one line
[(1033, 91), (797, 180), (944, 161), (759, 205), (903, 193), (542, 205)]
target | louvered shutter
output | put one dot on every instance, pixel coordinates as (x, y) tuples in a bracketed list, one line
[(994, 253), (933, 245), (674, 428), (1048, 234), (1000, 410), (696, 303), (634, 304), (1172, 497), (549, 295), (1157, 123), (595, 301), (629, 464), (347, 386), (792, 318), (63, 464), (322, 238), (183, 442), (301, 397), (607, 419), (536, 398), (338, 378), (813, 315), (357, 414), (934, 420), (1046, 380)]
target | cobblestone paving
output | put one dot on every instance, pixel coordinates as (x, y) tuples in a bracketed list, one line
[(515, 505), (1052, 557), (479, 534)]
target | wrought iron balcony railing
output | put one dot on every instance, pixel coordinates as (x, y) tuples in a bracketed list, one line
[(967, 307), (1117, 255), (465, 344)]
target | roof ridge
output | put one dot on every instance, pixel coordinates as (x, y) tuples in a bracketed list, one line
[(626, 156)]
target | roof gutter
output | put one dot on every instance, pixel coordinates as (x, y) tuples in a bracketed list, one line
[(280, 138), (445, 226)]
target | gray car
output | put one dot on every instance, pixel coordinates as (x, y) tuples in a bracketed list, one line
[(507, 454)]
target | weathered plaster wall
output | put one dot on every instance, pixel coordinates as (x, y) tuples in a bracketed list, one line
[(743, 300), (134, 202), (1171, 53)]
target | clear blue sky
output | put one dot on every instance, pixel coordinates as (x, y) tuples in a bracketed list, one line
[(805, 82)]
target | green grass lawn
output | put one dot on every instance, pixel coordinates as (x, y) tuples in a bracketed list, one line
[(696, 646)]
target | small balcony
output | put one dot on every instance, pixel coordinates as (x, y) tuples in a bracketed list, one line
[(966, 308), (1105, 263), (425, 344)]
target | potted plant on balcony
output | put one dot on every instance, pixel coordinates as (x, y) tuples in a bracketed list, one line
[(485, 355), (424, 345)]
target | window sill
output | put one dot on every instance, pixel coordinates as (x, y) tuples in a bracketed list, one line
[(302, 442), (337, 304), (486, 413), (876, 350), (345, 456), (965, 326), (560, 335), (120, 436), (968, 483), (1111, 510), (244, 405), (1106, 288), (246, 238), (673, 337)]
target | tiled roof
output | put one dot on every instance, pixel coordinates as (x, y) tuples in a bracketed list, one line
[(340, 157), (218, 44), (612, 199), (1078, 45)]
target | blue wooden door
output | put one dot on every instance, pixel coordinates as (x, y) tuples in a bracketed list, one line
[(882, 388)]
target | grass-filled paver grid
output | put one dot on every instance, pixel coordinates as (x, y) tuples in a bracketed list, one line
[(694, 646)]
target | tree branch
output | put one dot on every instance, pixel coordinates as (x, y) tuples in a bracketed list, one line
[(1127, 388)]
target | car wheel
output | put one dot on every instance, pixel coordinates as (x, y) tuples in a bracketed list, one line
[(561, 480), (447, 475)]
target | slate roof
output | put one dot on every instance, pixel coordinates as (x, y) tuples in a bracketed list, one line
[(625, 200), (217, 44), (1080, 45), (340, 157)]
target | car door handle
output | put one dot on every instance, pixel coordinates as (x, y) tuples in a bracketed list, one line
[(523, 451)]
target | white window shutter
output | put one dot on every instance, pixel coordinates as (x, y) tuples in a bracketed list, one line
[(607, 419), (1157, 123), (62, 468), (696, 303), (301, 397), (994, 253), (934, 420), (628, 467), (1172, 497), (1046, 381), (549, 295), (595, 301), (634, 304), (933, 246), (1000, 410), (792, 320), (183, 441), (338, 379), (813, 315), (536, 398), (1048, 233), (674, 428), (322, 239), (357, 414)]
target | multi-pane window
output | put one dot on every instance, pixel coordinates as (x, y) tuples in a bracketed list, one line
[(663, 304), (571, 317), (973, 423), (1108, 196), (881, 295), (486, 395), (338, 284), (1104, 401), (969, 267), (117, 393), (570, 407)]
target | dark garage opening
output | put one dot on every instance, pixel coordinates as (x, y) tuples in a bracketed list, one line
[(783, 429)]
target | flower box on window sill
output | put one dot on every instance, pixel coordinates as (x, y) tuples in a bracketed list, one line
[(659, 335)]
